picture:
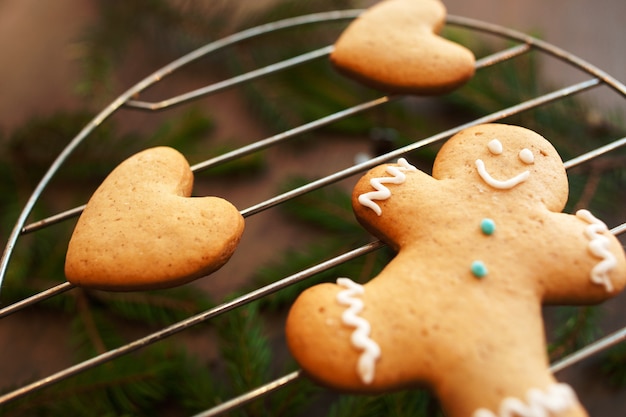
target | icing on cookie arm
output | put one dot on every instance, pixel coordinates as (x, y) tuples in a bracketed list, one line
[(599, 247), (382, 192), (360, 336)]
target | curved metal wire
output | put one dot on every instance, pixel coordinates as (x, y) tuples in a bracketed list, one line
[(187, 323), (340, 175), (526, 44), (138, 88)]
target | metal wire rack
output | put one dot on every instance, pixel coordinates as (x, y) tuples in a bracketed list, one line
[(518, 45)]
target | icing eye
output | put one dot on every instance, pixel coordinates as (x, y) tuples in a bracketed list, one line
[(526, 156), (495, 147)]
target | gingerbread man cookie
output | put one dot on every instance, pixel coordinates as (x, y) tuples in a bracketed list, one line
[(395, 46), (481, 245), (142, 230)]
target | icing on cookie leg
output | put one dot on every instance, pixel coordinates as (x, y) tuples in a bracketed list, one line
[(382, 192), (599, 247), (557, 398), (360, 337)]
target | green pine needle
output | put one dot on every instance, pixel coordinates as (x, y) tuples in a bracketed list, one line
[(412, 403), (328, 208), (157, 308), (577, 327), (614, 366)]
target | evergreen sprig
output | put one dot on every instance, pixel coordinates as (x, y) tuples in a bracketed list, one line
[(408, 403), (328, 209), (155, 308), (577, 327), (137, 384), (614, 366), (165, 378), (248, 357), (326, 212)]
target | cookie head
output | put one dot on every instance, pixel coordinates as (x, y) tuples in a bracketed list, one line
[(509, 160)]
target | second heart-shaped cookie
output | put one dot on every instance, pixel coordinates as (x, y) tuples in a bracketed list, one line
[(142, 230), (395, 46)]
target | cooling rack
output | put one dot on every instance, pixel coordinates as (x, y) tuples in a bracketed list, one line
[(517, 45)]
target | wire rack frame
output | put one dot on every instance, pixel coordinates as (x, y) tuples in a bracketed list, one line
[(522, 44)]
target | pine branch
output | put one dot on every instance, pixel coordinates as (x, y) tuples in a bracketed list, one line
[(328, 208), (87, 318), (577, 328), (410, 403), (614, 366), (201, 387), (159, 308), (361, 269), (92, 330), (293, 399), (124, 386), (245, 351)]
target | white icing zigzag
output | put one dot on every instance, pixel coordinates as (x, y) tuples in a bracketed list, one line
[(599, 247), (360, 336), (382, 192), (557, 398)]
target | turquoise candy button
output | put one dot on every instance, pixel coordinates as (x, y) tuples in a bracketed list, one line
[(479, 269), (487, 226)]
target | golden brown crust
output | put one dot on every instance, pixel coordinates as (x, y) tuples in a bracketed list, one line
[(395, 47), (142, 230), (472, 339)]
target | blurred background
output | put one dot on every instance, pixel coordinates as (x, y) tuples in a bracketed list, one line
[(63, 61), (51, 36)]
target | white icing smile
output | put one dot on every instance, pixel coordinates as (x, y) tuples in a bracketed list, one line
[(496, 148), (501, 185)]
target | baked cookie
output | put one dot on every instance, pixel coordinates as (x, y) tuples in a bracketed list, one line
[(141, 230), (481, 245), (395, 47)]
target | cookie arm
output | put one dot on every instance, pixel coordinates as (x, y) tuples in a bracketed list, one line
[(388, 189), (596, 270)]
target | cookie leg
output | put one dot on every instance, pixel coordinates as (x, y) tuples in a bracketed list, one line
[(330, 338), (471, 370)]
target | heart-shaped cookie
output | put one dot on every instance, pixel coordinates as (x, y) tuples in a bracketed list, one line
[(142, 230), (394, 46)]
